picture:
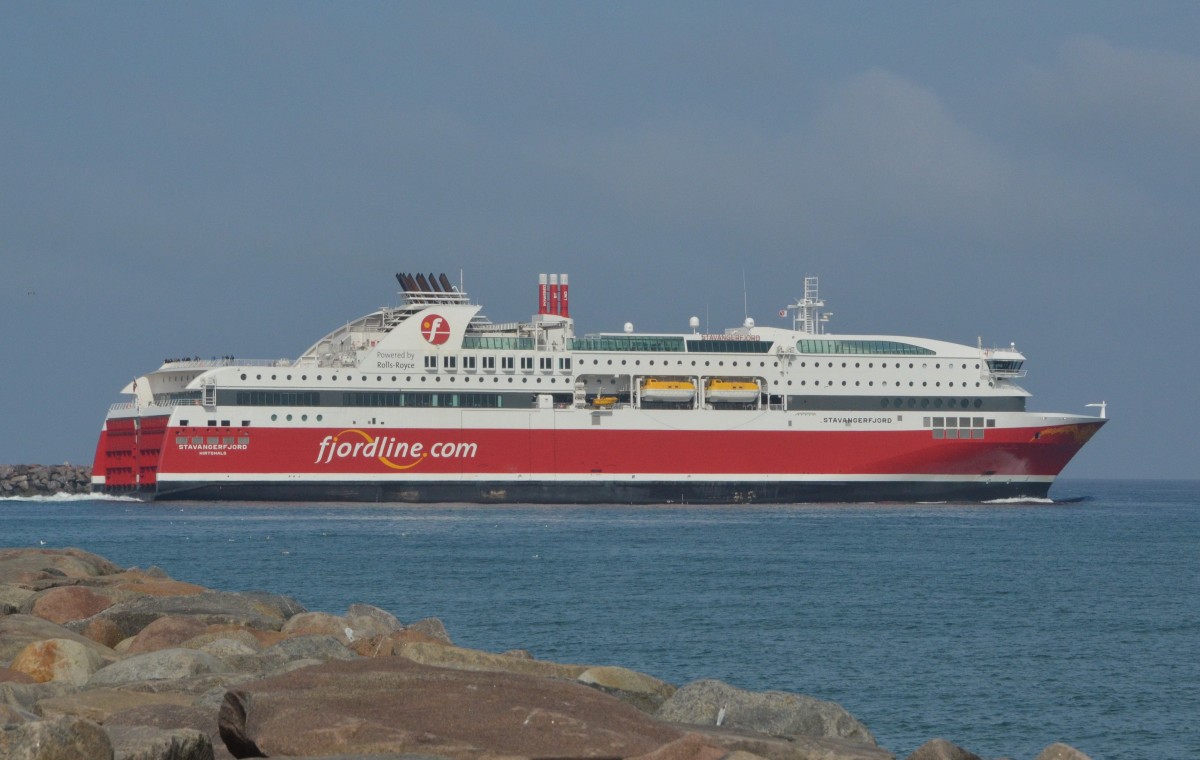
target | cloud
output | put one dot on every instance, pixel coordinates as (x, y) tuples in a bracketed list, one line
[(1122, 92)]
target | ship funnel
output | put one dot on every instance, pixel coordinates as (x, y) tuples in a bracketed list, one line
[(563, 306), (543, 296), (554, 294)]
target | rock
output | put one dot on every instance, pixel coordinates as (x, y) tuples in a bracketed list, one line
[(99, 704), (688, 747), (387, 620), (226, 633), (251, 609), (317, 624), (940, 749), (774, 713), (14, 595), (13, 676), (459, 658), (395, 705), (160, 665), (61, 739), (317, 648), (64, 604), (1060, 751), (166, 633), (792, 748), (18, 631), (433, 628), (148, 743), (67, 563), (28, 696), (228, 651), (103, 631), (11, 716), (57, 660), (642, 691)]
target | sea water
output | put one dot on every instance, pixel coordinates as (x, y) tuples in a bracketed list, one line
[(1000, 627)]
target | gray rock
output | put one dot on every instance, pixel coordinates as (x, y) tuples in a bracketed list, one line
[(432, 627), (25, 696), (940, 749), (60, 739), (18, 631), (160, 665), (320, 648), (148, 743), (775, 713), (1060, 751), (389, 621), (254, 609)]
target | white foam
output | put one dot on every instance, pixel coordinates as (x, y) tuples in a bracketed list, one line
[(1020, 500), (67, 497)]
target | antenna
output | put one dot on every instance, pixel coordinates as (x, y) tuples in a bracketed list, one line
[(745, 302), (1103, 409)]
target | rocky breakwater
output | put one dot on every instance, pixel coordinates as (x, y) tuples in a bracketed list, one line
[(99, 661), (44, 480)]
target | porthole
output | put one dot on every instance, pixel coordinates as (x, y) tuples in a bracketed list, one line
[(274, 417), (304, 377), (885, 403), (272, 377), (243, 375), (937, 403), (952, 403), (964, 403), (304, 418), (258, 377), (289, 418), (289, 377), (320, 417), (977, 403), (334, 378), (393, 378)]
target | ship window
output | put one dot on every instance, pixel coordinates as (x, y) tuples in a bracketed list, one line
[(180, 440), (213, 439), (450, 362), (939, 433), (830, 346), (977, 433), (977, 422), (939, 422), (507, 362), (565, 363), (951, 433), (527, 362), (925, 422), (468, 362), (964, 422), (244, 440), (245, 423), (227, 440), (489, 362), (991, 423), (545, 362), (430, 363), (183, 423), (224, 423)]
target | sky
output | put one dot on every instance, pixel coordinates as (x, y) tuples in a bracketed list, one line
[(221, 178)]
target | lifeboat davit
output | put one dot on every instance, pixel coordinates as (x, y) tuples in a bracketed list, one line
[(731, 391), (676, 391)]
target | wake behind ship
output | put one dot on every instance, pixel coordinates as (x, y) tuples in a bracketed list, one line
[(430, 401)]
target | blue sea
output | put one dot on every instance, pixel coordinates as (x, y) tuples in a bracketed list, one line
[(1002, 627)]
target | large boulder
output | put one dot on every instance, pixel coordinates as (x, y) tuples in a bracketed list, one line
[(148, 743), (638, 689), (164, 664), (940, 749), (167, 632), (253, 609), (775, 713), (61, 739), (58, 660), (98, 704), (393, 705), (460, 658), (1060, 751), (23, 566), (18, 631), (64, 604)]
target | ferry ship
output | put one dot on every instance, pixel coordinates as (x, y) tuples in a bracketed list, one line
[(431, 401)]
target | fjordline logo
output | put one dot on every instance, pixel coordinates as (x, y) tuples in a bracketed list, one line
[(435, 329), (385, 449)]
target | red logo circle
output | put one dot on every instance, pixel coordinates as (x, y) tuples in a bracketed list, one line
[(435, 329)]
